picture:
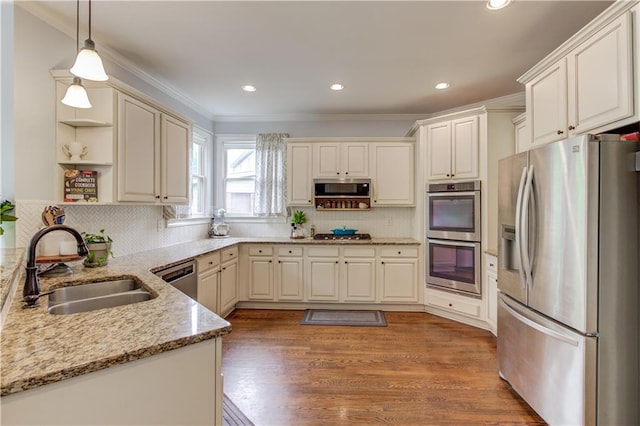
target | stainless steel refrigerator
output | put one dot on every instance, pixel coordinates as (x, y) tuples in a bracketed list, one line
[(568, 269)]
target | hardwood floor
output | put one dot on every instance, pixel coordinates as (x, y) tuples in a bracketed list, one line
[(419, 370)]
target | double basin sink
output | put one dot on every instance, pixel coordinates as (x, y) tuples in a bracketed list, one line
[(97, 295)]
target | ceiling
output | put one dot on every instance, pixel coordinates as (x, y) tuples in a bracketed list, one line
[(387, 54)]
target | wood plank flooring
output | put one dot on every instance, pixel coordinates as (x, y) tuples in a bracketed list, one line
[(419, 370)]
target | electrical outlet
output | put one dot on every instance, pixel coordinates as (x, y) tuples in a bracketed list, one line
[(160, 225)]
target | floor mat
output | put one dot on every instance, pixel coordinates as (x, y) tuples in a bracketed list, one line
[(232, 416), (340, 317)]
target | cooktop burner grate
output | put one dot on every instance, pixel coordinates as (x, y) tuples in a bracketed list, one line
[(342, 237)]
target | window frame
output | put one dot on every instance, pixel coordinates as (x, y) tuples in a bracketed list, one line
[(239, 141)]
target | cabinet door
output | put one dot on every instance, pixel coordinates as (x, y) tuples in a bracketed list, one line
[(208, 290), (326, 160), (547, 105), (358, 280), (399, 280), (393, 174), (176, 144), (492, 302), (299, 180), (522, 136), (600, 74), (322, 278), (355, 160), (261, 278), (464, 146), (290, 279), (138, 151), (439, 150), (228, 287)]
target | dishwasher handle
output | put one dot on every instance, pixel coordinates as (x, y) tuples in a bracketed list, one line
[(176, 272)]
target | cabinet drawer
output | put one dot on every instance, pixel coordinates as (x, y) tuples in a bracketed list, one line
[(208, 261), (229, 254), (359, 252), (261, 251), (399, 252), (451, 304), (491, 264), (289, 251), (323, 252)]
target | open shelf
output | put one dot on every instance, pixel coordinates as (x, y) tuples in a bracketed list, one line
[(85, 163), (85, 122)]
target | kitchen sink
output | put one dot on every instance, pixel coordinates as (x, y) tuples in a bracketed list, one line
[(97, 295)]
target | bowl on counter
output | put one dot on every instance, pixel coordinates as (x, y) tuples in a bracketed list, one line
[(344, 231)]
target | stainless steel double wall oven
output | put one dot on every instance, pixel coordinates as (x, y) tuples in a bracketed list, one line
[(453, 235)]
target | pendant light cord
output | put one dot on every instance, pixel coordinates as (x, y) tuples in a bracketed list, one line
[(89, 19), (77, 26)]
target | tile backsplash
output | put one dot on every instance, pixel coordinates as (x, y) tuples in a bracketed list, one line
[(136, 228)]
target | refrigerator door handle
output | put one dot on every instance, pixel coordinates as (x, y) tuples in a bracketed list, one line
[(518, 226), (524, 221), (542, 329)]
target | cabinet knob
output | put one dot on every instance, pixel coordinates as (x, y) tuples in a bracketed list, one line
[(289, 251), (452, 174), (336, 261), (166, 198), (308, 201), (382, 263), (270, 261), (560, 132), (279, 261), (157, 197), (451, 305), (210, 262), (346, 173), (571, 127), (375, 201), (337, 173), (259, 251), (345, 262), (492, 265), (447, 174)]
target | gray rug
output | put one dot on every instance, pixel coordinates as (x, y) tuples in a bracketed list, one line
[(338, 317), (232, 416)]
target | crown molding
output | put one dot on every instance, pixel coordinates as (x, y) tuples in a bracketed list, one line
[(317, 117), (55, 21)]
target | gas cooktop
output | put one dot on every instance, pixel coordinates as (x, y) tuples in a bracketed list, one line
[(342, 237)]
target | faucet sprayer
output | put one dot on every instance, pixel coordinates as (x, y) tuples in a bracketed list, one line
[(31, 290)]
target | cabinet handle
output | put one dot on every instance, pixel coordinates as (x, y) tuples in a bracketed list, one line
[(270, 261), (447, 174), (451, 305), (224, 269), (560, 132), (157, 197), (382, 263), (337, 173), (571, 128), (289, 251), (211, 263), (375, 201), (492, 265), (452, 174), (345, 262), (399, 252), (336, 261), (166, 198), (279, 261), (346, 173), (308, 201), (259, 251)]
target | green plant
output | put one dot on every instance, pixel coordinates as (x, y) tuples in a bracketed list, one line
[(5, 207), (98, 255), (298, 217)]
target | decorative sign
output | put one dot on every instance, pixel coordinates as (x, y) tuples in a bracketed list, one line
[(80, 186)]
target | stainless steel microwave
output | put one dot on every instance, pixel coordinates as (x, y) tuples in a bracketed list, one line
[(342, 188)]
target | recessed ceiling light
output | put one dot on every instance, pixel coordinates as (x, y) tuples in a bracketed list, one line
[(441, 86), (249, 88), (497, 4), (336, 86)]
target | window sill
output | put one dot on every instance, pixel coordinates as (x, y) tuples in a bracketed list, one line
[(255, 219), (187, 221)]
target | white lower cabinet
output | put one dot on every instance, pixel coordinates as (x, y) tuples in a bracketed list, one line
[(455, 303), (491, 268), (323, 273), (208, 278), (289, 274), (358, 280), (218, 281), (398, 274), (261, 273)]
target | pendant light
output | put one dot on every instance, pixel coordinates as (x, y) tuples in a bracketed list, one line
[(76, 95), (88, 64)]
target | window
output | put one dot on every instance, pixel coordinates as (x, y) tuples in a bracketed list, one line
[(201, 179), (238, 173)]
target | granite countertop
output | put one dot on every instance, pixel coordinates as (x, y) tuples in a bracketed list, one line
[(492, 252), (39, 348)]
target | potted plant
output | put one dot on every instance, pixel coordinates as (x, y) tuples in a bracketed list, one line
[(297, 220), (99, 246), (5, 207)]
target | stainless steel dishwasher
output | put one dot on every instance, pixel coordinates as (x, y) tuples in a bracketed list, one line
[(183, 277)]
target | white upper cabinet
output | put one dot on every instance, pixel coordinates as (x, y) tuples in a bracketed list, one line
[(138, 151), (589, 87), (153, 154), (452, 149), (299, 180), (341, 160), (393, 175), (521, 133)]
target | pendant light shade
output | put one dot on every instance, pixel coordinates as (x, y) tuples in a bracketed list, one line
[(76, 95), (88, 64)]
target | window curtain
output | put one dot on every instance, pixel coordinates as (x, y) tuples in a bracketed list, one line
[(271, 175)]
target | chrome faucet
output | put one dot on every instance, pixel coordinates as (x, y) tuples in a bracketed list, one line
[(31, 291)]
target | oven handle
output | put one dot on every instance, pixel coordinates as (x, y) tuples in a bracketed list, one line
[(455, 243), (452, 193)]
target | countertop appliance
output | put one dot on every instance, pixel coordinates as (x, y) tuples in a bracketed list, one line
[(183, 277), (568, 312), (342, 237)]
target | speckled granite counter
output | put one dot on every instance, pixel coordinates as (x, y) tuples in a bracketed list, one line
[(10, 266), (39, 348), (492, 252)]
